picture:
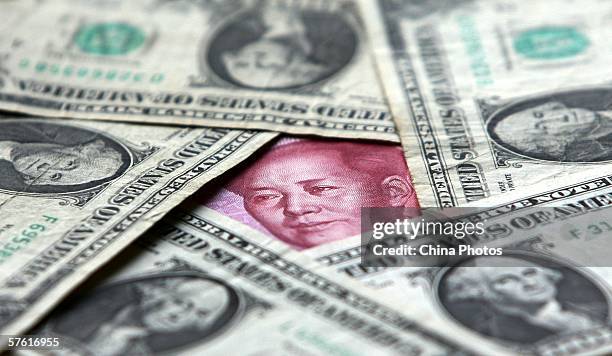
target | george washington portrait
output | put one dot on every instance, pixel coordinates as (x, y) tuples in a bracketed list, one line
[(148, 315), (565, 127), (39, 156), (522, 299), (278, 47)]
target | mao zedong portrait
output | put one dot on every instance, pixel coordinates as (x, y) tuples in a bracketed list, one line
[(146, 317), (309, 192), (41, 156), (554, 131), (521, 301)]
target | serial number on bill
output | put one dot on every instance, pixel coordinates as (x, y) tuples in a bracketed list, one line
[(591, 231)]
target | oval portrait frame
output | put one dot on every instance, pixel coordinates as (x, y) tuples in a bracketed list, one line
[(236, 308), (572, 97), (590, 277), (127, 158), (210, 63)]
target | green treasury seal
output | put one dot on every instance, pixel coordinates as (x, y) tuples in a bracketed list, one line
[(109, 38), (550, 43)]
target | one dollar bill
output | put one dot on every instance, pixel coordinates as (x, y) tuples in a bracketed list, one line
[(494, 96), (74, 193), (291, 66), (547, 293), (204, 284)]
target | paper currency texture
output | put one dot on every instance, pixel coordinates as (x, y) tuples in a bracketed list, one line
[(74, 193), (308, 192), (204, 284), (548, 293), (491, 97), (290, 66)]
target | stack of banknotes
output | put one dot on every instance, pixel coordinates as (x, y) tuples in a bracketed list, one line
[(188, 177)]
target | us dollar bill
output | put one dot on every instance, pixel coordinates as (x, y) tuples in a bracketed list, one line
[(200, 283), (12, 11), (494, 96), (547, 294), (292, 66), (74, 193)]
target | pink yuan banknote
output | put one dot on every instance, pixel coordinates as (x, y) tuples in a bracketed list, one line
[(309, 192)]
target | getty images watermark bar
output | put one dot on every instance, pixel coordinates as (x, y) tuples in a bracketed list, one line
[(432, 237)]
